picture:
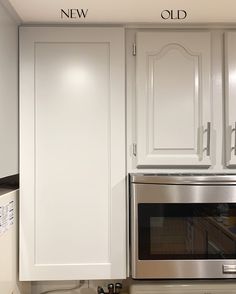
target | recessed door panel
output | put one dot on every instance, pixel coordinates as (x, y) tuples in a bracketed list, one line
[(174, 91), (173, 98), (71, 112)]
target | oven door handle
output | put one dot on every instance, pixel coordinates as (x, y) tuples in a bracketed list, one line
[(151, 193)]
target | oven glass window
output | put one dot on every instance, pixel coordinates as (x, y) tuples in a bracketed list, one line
[(186, 231)]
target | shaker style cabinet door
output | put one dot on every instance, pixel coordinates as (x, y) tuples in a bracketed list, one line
[(72, 154), (173, 87), (230, 97)]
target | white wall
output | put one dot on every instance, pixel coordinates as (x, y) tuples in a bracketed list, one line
[(9, 283), (8, 92), (127, 11), (87, 287)]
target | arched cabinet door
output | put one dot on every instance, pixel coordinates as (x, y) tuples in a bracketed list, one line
[(72, 154), (173, 96)]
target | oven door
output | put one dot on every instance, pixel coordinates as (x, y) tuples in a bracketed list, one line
[(183, 231)]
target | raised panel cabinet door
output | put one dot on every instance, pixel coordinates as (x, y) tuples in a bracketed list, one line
[(230, 98), (72, 154), (173, 84)]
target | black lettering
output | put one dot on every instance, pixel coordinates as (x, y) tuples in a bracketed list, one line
[(184, 14), (64, 13), (172, 15), (165, 14), (73, 13), (82, 13)]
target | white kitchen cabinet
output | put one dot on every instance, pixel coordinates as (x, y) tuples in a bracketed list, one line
[(230, 97), (72, 154), (173, 96)]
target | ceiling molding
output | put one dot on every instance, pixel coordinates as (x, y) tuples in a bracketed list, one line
[(126, 12), (11, 11)]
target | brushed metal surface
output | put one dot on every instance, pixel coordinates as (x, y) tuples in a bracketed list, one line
[(170, 189), (234, 138), (229, 268), (182, 269), (152, 193), (184, 179), (208, 148)]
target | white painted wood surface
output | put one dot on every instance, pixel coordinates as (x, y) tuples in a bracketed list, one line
[(8, 93), (72, 127), (218, 142), (230, 97), (173, 98)]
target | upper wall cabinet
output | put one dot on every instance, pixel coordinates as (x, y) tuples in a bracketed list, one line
[(230, 97), (173, 81), (72, 155)]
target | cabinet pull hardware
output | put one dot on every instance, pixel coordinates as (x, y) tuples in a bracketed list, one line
[(208, 130), (134, 49), (231, 130), (134, 149), (234, 138), (230, 148)]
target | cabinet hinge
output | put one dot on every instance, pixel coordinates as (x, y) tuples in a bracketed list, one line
[(134, 149), (134, 49)]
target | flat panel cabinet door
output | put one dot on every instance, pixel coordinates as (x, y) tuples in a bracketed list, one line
[(72, 158), (173, 98), (230, 98)]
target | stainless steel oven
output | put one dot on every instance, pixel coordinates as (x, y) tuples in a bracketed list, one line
[(183, 226)]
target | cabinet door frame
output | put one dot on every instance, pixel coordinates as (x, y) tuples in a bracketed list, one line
[(116, 267), (146, 154), (230, 94)]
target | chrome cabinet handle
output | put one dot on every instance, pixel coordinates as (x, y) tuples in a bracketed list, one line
[(231, 130), (208, 130), (234, 138), (202, 134), (230, 148)]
